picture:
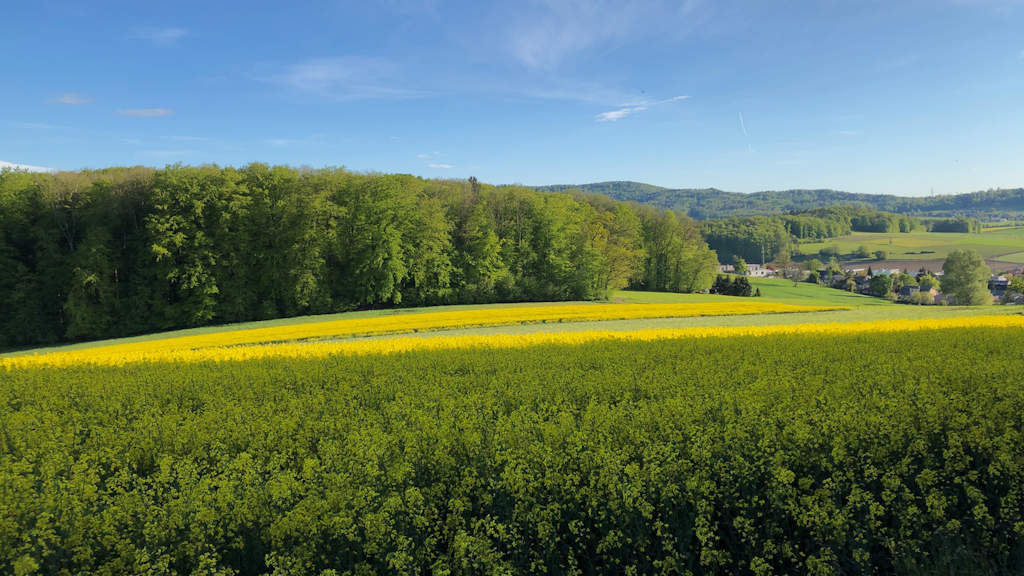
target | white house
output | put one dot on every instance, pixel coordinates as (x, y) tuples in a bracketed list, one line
[(758, 271)]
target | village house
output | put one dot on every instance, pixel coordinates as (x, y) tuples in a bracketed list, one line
[(758, 271), (907, 292), (863, 284), (998, 285)]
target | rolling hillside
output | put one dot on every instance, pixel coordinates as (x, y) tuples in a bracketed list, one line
[(713, 203)]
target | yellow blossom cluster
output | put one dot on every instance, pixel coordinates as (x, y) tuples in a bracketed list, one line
[(116, 355)]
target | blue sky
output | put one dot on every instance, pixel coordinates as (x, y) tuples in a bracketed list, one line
[(897, 96)]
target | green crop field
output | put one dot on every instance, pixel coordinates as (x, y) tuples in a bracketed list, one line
[(844, 453), (1003, 245), (771, 289)]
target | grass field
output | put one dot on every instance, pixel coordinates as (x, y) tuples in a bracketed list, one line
[(772, 290), (861, 309), (1000, 245)]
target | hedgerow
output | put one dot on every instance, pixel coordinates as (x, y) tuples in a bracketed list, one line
[(809, 453)]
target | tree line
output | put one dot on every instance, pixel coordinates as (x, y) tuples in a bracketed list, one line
[(763, 238), (121, 251), (712, 203)]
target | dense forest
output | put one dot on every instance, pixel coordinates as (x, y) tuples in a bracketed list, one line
[(122, 251), (707, 203)]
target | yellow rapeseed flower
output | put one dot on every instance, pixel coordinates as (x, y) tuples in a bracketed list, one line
[(406, 323), (112, 356)]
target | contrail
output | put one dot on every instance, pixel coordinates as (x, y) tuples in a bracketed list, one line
[(742, 126)]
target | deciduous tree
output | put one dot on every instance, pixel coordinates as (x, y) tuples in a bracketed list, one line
[(966, 276)]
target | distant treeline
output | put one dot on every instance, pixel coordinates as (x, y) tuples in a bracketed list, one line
[(747, 237), (122, 251), (708, 203)]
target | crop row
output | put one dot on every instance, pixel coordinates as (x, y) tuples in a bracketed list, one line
[(406, 323), (825, 451), (134, 353)]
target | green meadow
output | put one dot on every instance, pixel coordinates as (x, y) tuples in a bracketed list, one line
[(1002, 245)]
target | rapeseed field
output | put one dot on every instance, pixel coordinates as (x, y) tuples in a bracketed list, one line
[(118, 355), (180, 348), (880, 448)]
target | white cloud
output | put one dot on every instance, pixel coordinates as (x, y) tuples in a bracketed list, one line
[(621, 113), (71, 98), (146, 112), (544, 32), (344, 78), (28, 167), (166, 153), (440, 166), (618, 114), (424, 156), (282, 142), (35, 126), (161, 36)]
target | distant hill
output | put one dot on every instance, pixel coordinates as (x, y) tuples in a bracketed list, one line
[(712, 203)]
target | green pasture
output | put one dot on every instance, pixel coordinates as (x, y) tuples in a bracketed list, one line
[(863, 308), (277, 323), (1006, 245)]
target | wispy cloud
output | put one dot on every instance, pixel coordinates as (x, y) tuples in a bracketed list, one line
[(35, 126), (445, 166), (618, 114), (282, 142), (146, 112), (344, 78), (28, 167), (742, 125), (424, 156), (166, 153), (161, 36), (544, 32), (71, 98), (629, 110)]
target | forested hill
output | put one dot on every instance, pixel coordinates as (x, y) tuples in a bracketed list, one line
[(122, 251), (712, 203)]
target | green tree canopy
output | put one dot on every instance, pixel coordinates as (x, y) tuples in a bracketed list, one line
[(881, 285), (740, 266), (966, 276)]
